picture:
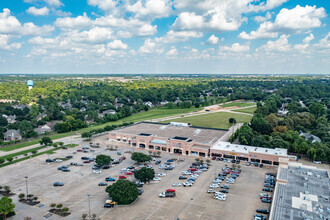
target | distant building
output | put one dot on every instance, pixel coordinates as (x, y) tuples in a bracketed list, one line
[(43, 129), (149, 104), (12, 135), (21, 106), (119, 105), (163, 103), (310, 137), (41, 116), (83, 109), (107, 112), (10, 119)]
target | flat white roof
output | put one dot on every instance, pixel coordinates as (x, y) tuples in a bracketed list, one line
[(237, 148)]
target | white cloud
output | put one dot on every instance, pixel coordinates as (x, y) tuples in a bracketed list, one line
[(5, 45), (324, 42), (150, 8), (302, 47), (236, 47), (10, 25), (172, 52), (38, 11), (94, 35), (73, 23), (212, 39), (41, 41), (279, 45), (105, 5), (149, 47), (55, 3), (117, 45), (308, 39), (289, 21), (177, 36), (260, 19)]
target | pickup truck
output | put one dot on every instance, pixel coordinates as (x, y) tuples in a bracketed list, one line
[(109, 204), (166, 194)]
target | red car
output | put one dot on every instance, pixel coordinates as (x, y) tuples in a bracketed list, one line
[(122, 177), (170, 190), (193, 169), (86, 161), (213, 158), (79, 150), (129, 173), (122, 158)]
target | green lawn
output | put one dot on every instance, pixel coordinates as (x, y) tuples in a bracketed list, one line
[(213, 120), (155, 113), (246, 110), (239, 104)]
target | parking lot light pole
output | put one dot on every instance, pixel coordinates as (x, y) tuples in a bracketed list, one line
[(26, 183), (89, 206)]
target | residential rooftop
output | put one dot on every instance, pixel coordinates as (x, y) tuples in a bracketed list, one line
[(301, 193), (237, 148), (175, 131)]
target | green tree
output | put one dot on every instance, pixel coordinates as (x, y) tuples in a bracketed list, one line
[(25, 128), (317, 109), (102, 159), (232, 120), (123, 192), (10, 159), (86, 135), (260, 125), (46, 141), (144, 174), (6, 206), (140, 157), (3, 121), (2, 160), (34, 152)]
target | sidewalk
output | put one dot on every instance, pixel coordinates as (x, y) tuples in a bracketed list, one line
[(66, 140)]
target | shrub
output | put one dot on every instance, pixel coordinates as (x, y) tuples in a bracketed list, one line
[(52, 205), (21, 195), (59, 206)]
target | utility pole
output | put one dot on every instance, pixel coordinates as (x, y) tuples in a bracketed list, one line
[(26, 183), (89, 206)]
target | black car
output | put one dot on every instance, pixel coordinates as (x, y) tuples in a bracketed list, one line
[(271, 174), (84, 158), (115, 162), (225, 186), (233, 161), (106, 167), (268, 185), (96, 167), (69, 156), (141, 191), (130, 167), (103, 184), (267, 189), (158, 162), (224, 190), (49, 161), (183, 178), (261, 165), (66, 170), (64, 147), (58, 184), (266, 200), (256, 164), (139, 185), (264, 211)]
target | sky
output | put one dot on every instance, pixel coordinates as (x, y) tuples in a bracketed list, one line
[(165, 36)]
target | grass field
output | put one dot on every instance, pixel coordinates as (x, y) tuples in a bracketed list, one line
[(239, 104), (246, 110), (155, 113), (213, 120)]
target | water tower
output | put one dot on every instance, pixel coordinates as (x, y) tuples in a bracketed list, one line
[(30, 84)]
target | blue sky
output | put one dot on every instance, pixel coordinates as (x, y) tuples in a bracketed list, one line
[(165, 36)]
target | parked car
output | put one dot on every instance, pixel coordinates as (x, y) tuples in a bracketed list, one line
[(248, 163), (170, 160), (110, 179), (58, 161), (97, 171), (62, 167), (268, 185), (58, 184), (140, 191), (103, 184), (176, 184), (267, 189), (167, 194), (225, 186), (118, 153), (122, 177), (264, 211), (79, 150), (224, 190), (261, 165), (259, 217), (156, 179), (170, 190), (183, 178), (187, 184), (158, 162), (69, 156), (86, 161), (129, 173), (85, 158), (49, 161), (210, 191), (266, 200), (66, 170), (161, 174), (214, 186), (105, 167)]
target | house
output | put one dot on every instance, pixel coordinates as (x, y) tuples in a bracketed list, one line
[(310, 137), (11, 118), (119, 105), (282, 112), (21, 106), (66, 105), (43, 129), (149, 104), (107, 112), (177, 101), (41, 116), (12, 135), (83, 109), (163, 103)]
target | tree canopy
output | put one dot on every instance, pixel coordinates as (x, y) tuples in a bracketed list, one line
[(6, 206), (140, 157), (144, 174), (123, 192), (103, 159)]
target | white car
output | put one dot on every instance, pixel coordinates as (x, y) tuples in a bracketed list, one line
[(96, 171), (142, 165), (161, 174), (222, 197), (58, 161), (162, 195), (203, 169), (176, 184), (185, 184), (217, 181), (149, 166), (186, 173), (139, 183), (214, 185), (156, 179), (210, 191)]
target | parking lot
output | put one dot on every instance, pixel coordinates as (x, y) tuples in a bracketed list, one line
[(189, 203)]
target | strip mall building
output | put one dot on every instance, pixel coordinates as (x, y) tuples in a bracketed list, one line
[(182, 139)]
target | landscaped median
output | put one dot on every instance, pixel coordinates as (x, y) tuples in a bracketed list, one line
[(34, 154)]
